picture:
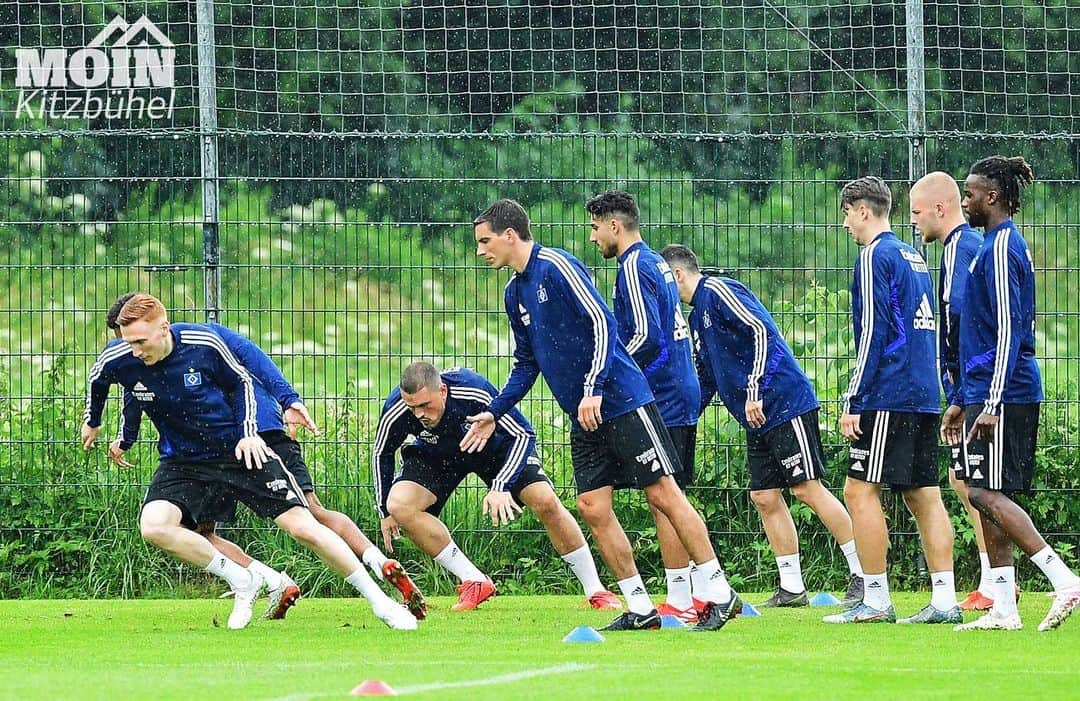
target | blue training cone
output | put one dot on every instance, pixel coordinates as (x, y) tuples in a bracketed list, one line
[(824, 599), (749, 611), (583, 634), (670, 621)]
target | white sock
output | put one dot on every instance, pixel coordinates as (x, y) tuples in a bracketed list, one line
[(460, 566), (876, 592), (272, 576), (1055, 569), (584, 567), (986, 582), (238, 577), (374, 559), (942, 590), (852, 556), (790, 573), (679, 592), (709, 582), (637, 599), (362, 582), (1004, 584)]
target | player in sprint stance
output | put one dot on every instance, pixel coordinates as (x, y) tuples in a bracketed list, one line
[(652, 327), (891, 408), (274, 394), (742, 357), (563, 329), (936, 213), (1001, 389), (203, 403), (432, 406)]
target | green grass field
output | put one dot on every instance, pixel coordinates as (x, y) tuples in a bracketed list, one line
[(511, 648)]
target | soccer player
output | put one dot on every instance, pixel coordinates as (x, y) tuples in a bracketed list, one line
[(282, 591), (936, 213), (1001, 389), (563, 329), (432, 406), (203, 403), (891, 408), (742, 356), (652, 327)]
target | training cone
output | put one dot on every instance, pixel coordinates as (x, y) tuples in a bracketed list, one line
[(824, 599), (373, 687), (670, 621), (749, 610), (583, 634)]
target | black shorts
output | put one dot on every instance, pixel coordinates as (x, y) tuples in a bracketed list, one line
[(896, 448), (441, 475), (196, 487), (223, 508), (684, 440), (633, 450), (786, 455), (958, 460), (1007, 463)]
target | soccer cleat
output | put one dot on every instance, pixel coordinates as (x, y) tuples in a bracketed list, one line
[(635, 621), (713, 616), (394, 573), (394, 615), (472, 594), (976, 601), (993, 621), (605, 601), (282, 598), (861, 613), (1065, 603), (782, 598), (935, 615), (689, 615), (244, 602), (854, 593)]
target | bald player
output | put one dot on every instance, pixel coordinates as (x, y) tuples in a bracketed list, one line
[(936, 213)]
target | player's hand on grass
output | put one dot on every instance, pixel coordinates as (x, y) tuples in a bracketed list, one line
[(390, 531), (296, 416), (849, 426), (588, 413), (983, 428), (253, 451), (501, 506), (481, 428), (89, 436), (952, 425), (755, 413), (116, 454)]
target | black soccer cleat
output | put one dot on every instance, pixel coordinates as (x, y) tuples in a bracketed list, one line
[(714, 615), (782, 598), (635, 621), (854, 593)]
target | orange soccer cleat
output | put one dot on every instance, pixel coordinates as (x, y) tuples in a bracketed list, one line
[(472, 594)]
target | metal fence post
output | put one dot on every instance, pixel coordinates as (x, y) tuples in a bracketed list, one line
[(916, 98), (204, 12)]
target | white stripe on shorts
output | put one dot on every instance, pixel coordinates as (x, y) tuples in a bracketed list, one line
[(654, 436)]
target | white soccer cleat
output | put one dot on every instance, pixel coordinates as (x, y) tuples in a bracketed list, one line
[(1065, 603), (244, 602), (993, 621), (395, 616)]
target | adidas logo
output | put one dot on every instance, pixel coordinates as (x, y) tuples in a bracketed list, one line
[(638, 591), (939, 582), (874, 585), (139, 386), (977, 474), (786, 565), (999, 580), (924, 316), (857, 466), (1049, 558), (655, 466), (679, 578), (716, 575), (796, 472)]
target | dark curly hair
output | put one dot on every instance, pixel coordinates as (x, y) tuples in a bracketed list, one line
[(1009, 175), (615, 202)]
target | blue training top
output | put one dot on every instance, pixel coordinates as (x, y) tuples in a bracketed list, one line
[(656, 335), (960, 248), (742, 355)]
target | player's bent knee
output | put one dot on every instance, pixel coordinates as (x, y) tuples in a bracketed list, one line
[(766, 499)]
